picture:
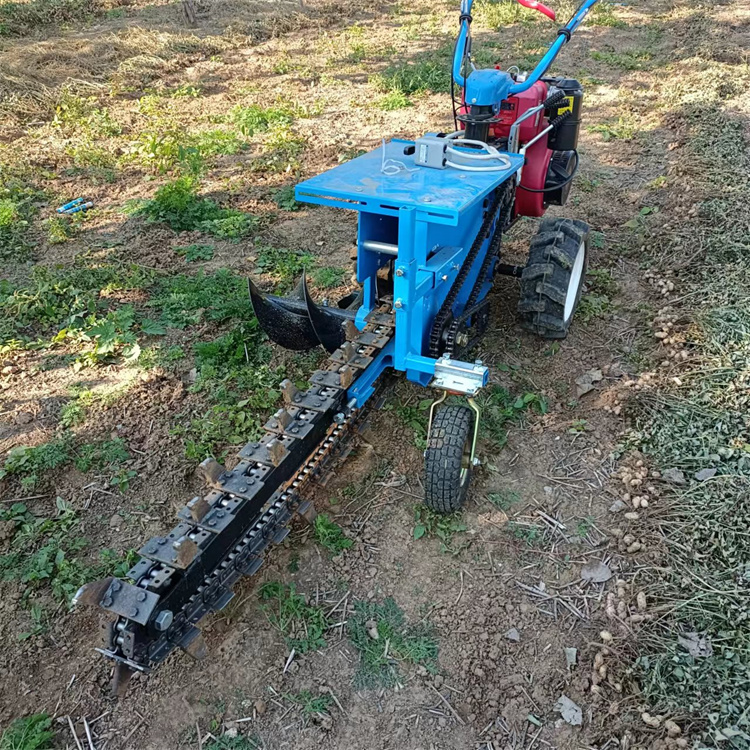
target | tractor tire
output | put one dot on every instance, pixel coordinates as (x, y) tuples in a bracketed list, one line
[(448, 465), (552, 281)]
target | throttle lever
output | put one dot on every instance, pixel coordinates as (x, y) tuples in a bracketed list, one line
[(536, 5)]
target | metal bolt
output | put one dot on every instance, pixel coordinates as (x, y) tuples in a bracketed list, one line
[(134, 612), (152, 550), (107, 601), (212, 522), (163, 620), (444, 277), (475, 461), (399, 272), (398, 304), (426, 199), (220, 514), (116, 585), (141, 597)]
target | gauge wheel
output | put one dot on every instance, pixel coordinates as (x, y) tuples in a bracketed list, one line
[(448, 461)]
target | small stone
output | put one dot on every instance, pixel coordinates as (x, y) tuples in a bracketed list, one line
[(372, 629), (606, 636), (673, 476), (24, 417), (260, 707), (617, 506), (596, 571), (115, 522), (513, 635), (571, 712), (571, 657), (705, 474)]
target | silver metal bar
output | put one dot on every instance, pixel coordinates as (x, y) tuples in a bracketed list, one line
[(522, 152), (380, 247), (513, 136)]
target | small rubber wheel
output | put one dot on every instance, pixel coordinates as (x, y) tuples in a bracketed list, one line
[(552, 281), (448, 465)]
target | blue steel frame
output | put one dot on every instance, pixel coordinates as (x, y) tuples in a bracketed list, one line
[(431, 215)]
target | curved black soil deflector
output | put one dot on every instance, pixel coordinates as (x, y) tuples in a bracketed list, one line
[(289, 328), (328, 327)]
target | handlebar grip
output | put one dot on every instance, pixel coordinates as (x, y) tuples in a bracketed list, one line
[(536, 5)]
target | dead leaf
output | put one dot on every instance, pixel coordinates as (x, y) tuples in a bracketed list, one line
[(571, 712)]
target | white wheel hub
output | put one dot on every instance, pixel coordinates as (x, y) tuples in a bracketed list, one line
[(576, 277)]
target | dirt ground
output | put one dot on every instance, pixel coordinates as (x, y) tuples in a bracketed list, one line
[(506, 601)]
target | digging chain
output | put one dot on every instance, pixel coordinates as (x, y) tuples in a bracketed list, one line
[(188, 573), (445, 326)]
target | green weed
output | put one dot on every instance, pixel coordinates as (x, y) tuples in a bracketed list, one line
[(195, 252), (429, 523), (627, 60), (46, 555), (178, 205), (238, 742), (21, 18), (500, 408), (413, 78), (623, 129), (603, 14), (281, 149), (285, 199), (415, 416), (396, 641), (183, 300), (528, 533), (31, 733), (330, 536), (30, 463), (328, 277), (283, 263), (302, 625), (309, 704), (504, 499), (393, 100), (256, 119)]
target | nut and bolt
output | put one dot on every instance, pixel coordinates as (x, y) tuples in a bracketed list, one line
[(163, 620), (398, 304), (399, 272)]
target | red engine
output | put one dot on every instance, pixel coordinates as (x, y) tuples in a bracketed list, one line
[(547, 164)]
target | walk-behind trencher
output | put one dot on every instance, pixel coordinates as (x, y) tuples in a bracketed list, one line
[(432, 214)]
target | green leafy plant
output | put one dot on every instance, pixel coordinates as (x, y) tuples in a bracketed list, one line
[(195, 252), (328, 277), (500, 407), (429, 523), (302, 625), (283, 263), (393, 100), (504, 499), (31, 733), (256, 119), (415, 416), (178, 205), (329, 535), (371, 626), (285, 200)]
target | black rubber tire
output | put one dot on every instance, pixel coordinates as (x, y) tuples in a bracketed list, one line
[(447, 467), (548, 274)]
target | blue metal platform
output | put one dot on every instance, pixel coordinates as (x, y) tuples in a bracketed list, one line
[(360, 184)]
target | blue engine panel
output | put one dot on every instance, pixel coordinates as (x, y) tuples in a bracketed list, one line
[(426, 220)]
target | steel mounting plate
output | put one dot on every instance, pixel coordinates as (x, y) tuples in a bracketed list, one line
[(361, 184)]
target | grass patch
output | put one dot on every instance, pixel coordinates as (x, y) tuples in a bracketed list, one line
[(383, 638), (257, 119), (238, 742), (330, 536), (178, 205), (624, 128), (30, 733), (634, 59), (21, 18), (46, 557), (597, 301), (504, 499), (413, 78), (393, 100), (302, 625)]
